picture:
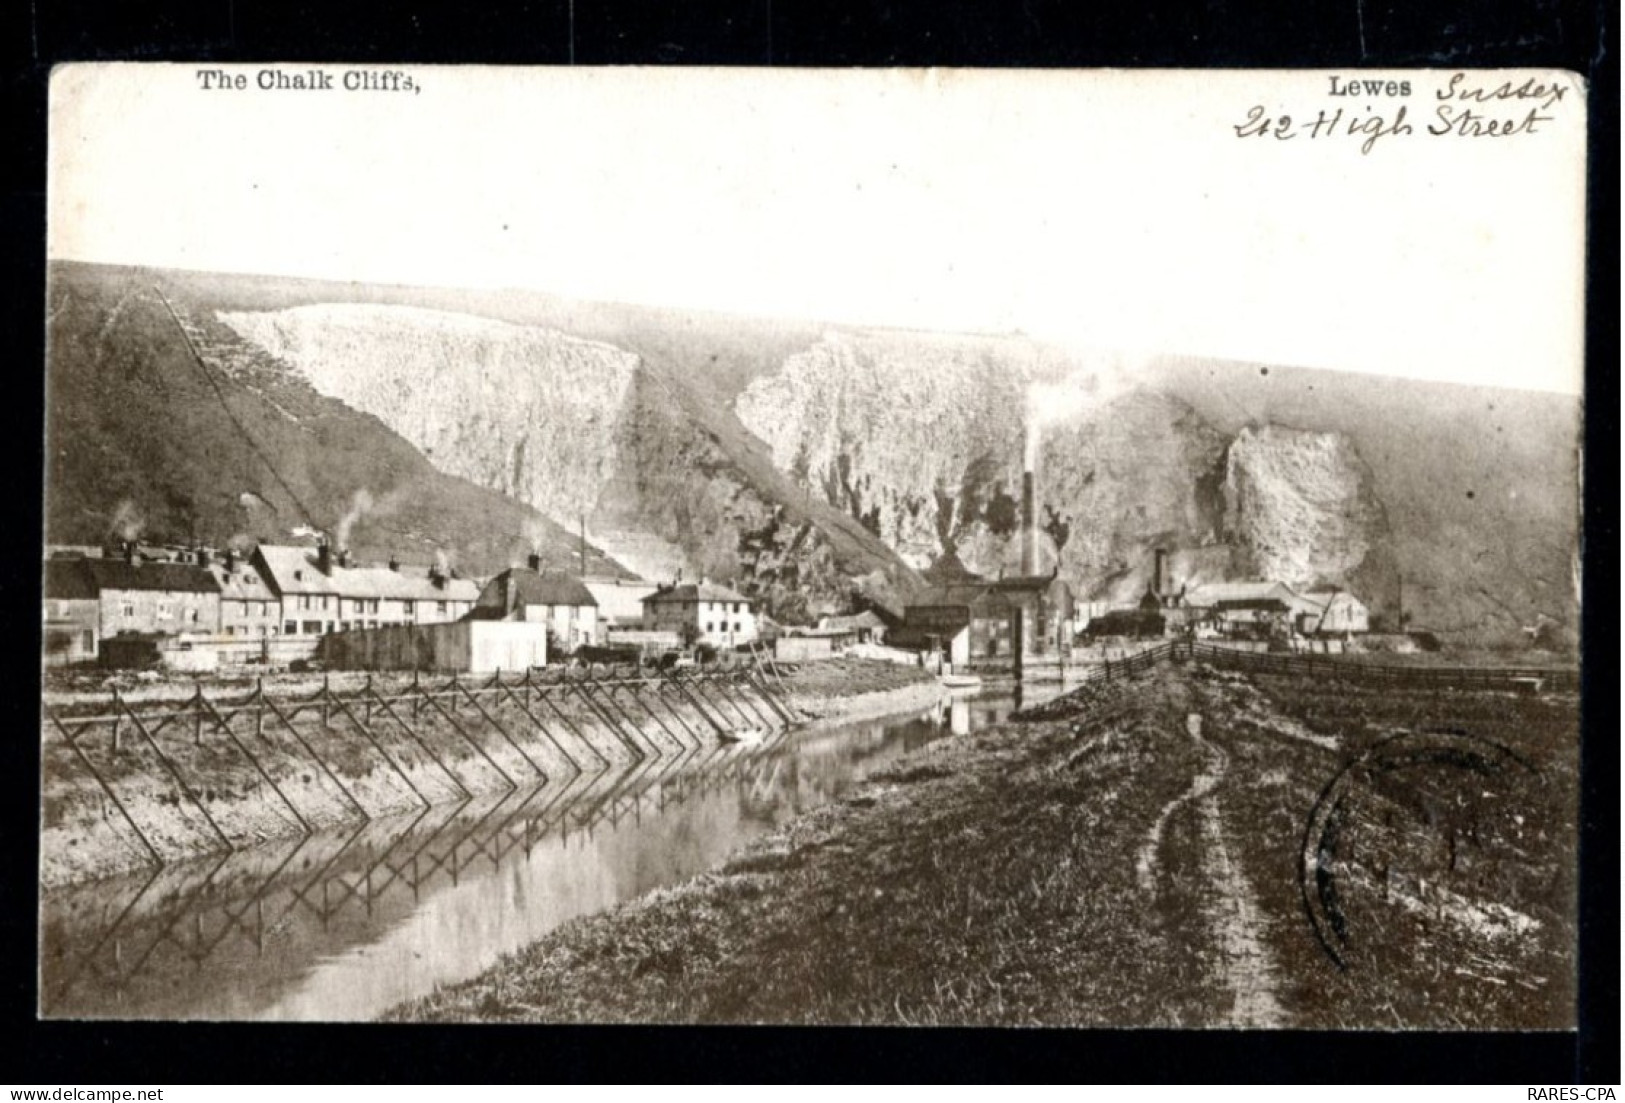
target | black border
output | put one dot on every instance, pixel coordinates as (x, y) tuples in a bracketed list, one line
[(1570, 34)]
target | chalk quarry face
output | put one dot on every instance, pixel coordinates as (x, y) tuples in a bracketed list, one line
[(915, 439)]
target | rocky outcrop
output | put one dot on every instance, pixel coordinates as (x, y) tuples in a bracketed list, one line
[(585, 430), (1299, 506), (923, 441), (523, 410), (909, 435)]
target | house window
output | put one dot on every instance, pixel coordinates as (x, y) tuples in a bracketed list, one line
[(192, 616), (165, 610), (289, 628), (127, 609), (709, 626), (440, 607), (736, 626)]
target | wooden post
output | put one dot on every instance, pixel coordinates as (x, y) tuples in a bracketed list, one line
[(197, 717), (1018, 640), (324, 700), (259, 707)]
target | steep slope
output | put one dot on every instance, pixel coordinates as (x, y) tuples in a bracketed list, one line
[(138, 435), (524, 410), (801, 460), (1480, 487)]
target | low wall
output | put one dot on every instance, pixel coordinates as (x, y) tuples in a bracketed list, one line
[(798, 649)]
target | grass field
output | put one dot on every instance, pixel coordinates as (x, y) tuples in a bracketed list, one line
[(1136, 863)]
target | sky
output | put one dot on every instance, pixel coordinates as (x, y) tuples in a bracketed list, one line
[(1103, 209)]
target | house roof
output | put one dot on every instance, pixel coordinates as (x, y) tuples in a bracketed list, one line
[(1240, 594), (242, 582), (866, 619), (551, 588), (67, 580), (694, 591), (1019, 583), (173, 578), (958, 593), (294, 570)]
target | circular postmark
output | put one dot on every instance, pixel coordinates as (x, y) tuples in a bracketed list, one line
[(1417, 838)]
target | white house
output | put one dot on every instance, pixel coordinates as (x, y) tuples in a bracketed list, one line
[(1334, 612), (558, 600)]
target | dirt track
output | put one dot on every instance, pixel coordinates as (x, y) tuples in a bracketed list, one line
[(1141, 872)]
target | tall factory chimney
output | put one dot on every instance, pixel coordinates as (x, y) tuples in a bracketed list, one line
[(324, 557), (1029, 526), (1159, 575)]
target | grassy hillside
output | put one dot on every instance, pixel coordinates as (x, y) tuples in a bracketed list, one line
[(138, 433), (1480, 486)]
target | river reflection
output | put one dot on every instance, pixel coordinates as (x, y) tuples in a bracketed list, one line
[(342, 925)]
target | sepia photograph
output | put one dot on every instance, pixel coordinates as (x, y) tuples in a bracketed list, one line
[(921, 547)]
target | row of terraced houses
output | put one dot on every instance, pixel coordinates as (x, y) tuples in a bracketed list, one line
[(281, 601)]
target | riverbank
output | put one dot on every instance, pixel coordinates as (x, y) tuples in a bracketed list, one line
[(1136, 871), (330, 771)]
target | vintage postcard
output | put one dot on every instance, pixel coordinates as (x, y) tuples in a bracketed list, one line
[(840, 547)]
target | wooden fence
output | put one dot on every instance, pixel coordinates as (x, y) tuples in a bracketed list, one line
[(1516, 679)]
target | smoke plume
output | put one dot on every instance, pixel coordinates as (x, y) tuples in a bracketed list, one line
[(535, 533), (360, 505), (1076, 395), (127, 521)]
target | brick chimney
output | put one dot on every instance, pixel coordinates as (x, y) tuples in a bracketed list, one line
[(324, 557), (1159, 572), (203, 557), (394, 563), (230, 560), (131, 555), (344, 557), (535, 562)]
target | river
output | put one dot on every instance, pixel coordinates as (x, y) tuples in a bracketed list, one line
[(343, 925)]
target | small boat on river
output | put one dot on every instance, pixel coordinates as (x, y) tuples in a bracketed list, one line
[(960, 681)]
